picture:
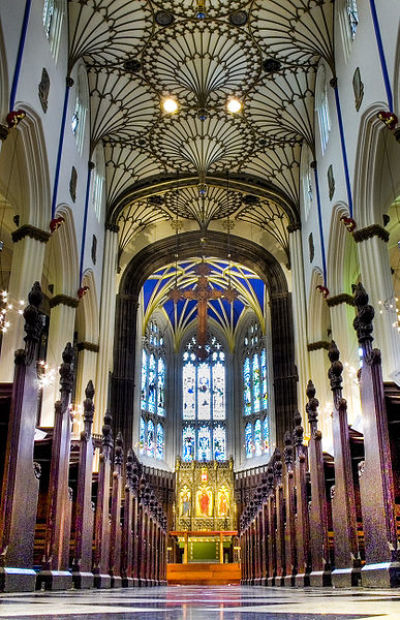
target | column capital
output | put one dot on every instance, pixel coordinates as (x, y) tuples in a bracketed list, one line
[(294, 227), (88, 346), (316, 346), (64, 300), (27, 230), (375, 230), (112, 228), (342, 298)]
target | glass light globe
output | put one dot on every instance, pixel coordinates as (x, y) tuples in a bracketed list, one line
[(170, 105), (234, 105)]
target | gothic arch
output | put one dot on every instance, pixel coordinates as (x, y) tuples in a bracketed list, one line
[(342, 254), (61, 266), (377, 169), (87, 314), (193, 244)]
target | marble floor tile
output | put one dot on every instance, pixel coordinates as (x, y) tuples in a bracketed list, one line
[(203, 603)]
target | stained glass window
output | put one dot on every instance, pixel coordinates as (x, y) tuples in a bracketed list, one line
[(203, 385), (150, 438), (257, 438), (188, 443), (152, 393), (255, 393), (160, 442), (142, 436), (248, 437), (204, 444)]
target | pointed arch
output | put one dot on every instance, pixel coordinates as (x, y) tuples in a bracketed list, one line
[(377, 169), (61, 264), (87, 314), (318, 312), (343, 264)]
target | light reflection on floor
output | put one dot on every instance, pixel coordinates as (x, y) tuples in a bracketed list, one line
[(204, 603)]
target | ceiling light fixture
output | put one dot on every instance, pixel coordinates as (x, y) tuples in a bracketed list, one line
[(234, 105), (170, 105)]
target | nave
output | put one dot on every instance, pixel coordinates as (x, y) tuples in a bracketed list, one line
[(204, 603)]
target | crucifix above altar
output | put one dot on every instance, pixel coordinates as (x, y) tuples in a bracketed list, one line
[(202, 294)]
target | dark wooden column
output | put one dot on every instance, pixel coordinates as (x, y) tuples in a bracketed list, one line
[(136, 522), (55, 574), (123, 377), (82, 561), (290, 525), (285, 372), (21, 475), (382, 551), (101, 560), (302, 521), (280, 525), (344, 515), (127, 530), (263, 524), (319, 545), (116, 500), (271, 518)]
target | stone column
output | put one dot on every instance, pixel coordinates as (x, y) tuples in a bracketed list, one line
[(26, 268), (86, 367), (107, 321), (299, 312), (377, 279), (61, 330)]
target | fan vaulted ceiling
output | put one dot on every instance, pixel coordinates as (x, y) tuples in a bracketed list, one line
[(202, 164)]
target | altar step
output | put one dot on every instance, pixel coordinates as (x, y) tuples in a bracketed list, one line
[(204, 574)]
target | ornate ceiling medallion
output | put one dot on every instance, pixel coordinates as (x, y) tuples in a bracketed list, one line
[(203, 203), (200, 62), (190, 8), (202, 146)]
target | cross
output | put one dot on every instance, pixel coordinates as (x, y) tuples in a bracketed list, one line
[(202, 293)]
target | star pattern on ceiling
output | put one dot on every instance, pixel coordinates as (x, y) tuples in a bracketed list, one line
[(263, 52)]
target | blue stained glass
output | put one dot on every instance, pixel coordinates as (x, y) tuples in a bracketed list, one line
[(203, 392), (204, 444), (151, 403), (143, 394), (264, 383), (257, 438), (150, 438), (160, 442), (188, 441), (248, 437), (256, 383), (142, 436), (189, 396), (160, 387), (266, 434), (247, 387), (219, 443), (218, 373)]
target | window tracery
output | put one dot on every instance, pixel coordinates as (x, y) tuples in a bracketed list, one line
[(255, 393), (322, 107), (152, 394), (52, 20), (203, 411)]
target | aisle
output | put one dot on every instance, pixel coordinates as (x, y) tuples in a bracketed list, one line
[(202, 603)]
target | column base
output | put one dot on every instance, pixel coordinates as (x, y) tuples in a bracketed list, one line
[(270, 581), (143, 583), (116, 581), (127, 582), (82, 581), (17, 579), (346, 577), (382, 575), (321, 579), (258, 581), (135, 582), (280, 580), (102, 581), (54, 580), (289, 581), (302, 580)]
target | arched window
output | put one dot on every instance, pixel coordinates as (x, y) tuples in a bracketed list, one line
[(349, 19), (97, 183), (322, 107), (78, 121), (203, 411), (152, 396), (255, 393), (52, 18), (306, 180)]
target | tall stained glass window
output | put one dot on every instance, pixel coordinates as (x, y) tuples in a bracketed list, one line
[(255, 393), (203, 411), (152, 394)]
